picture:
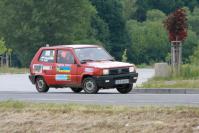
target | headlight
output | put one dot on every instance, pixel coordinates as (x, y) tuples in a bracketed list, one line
[(105, 71), (131, 69)]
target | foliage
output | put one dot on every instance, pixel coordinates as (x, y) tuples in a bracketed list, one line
[(155, 15), (189, 45), (129, 8), (27, 24), (111, 12), (193, 19), (176, 25), (166, 6), (148, 39), (124, 56), (135, 25), (2, 46), (195, 57), (189, 71)]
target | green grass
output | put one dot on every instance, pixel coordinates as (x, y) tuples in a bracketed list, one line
[(188, 78), (70, 107), (189, 71), (171, 83), (13, 70), (18, 105)]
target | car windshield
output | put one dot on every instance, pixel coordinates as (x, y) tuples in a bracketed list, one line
[(92, 54)]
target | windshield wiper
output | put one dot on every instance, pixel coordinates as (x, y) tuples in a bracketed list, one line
[(86, 60)]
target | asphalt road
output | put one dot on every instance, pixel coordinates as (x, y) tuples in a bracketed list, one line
[(18, 87), (21, 83), (104, 98)]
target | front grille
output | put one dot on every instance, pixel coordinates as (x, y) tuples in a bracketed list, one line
[(116, 71)]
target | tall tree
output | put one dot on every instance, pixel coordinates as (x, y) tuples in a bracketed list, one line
[(111, 11), (27, 25), (167, 6)]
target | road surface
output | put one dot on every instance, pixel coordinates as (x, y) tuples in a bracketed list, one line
[(21, 83), (18, 87), (104, 98)]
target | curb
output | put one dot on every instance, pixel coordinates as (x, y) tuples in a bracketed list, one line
[(165, 91)]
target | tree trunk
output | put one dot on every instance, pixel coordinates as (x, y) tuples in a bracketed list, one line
[(176, 56)]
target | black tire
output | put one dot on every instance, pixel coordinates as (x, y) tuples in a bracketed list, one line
[(89, 85), (41, 85), (125, 88), (76, 90)]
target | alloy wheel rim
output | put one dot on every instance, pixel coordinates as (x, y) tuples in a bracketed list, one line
[(89, 85), (40, 84)]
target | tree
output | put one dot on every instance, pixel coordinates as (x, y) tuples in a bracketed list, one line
[(27, 25), (2, 46), (189, 46), (129, 9), (195, 57), (147, 40), (166, 6), (111, 12), (193, 19), (100, 30), (155, 15), (176, 25), (124, 56)]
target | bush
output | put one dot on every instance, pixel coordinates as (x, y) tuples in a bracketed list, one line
[(189, 71)]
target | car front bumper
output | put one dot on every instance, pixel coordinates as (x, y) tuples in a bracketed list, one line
[(109, 81)]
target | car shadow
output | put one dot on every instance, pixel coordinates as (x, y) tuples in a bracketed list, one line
[(82, 93)]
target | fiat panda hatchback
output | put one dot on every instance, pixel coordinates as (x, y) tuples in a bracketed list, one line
[(80, 67)]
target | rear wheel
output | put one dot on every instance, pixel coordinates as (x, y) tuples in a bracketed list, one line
[(90, 86), (125, 88), (76, 90), (41, 85)]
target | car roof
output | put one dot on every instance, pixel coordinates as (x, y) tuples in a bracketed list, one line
[(72, 46)]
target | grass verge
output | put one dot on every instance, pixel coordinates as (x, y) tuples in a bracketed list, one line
[(28, 117), (13, 70), (171, 83)]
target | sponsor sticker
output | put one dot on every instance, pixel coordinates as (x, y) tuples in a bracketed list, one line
[(62, 77), (88, 70), (37, 68), (66, 69), (47, 67)]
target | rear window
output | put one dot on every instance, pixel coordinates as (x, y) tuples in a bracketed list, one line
[(47, 56)]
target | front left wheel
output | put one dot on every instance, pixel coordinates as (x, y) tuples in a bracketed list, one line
[(125, 88), (41, 85)]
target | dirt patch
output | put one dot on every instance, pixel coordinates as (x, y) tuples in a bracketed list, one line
[(99, 119)]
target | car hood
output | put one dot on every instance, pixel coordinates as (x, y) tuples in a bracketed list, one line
[(108, 64)]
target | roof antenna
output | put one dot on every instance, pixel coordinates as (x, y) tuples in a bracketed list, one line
[(47, 45)]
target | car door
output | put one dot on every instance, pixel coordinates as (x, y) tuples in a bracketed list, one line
[(66, 68)]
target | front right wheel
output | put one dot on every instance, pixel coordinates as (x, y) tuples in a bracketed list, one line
[(125, 88), (90, 86)]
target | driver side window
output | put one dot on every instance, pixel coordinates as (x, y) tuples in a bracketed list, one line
[(65, 57)]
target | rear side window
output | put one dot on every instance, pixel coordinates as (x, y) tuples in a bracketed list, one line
[(47, 56)]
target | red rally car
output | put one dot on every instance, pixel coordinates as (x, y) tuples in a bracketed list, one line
[(80, 67)]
